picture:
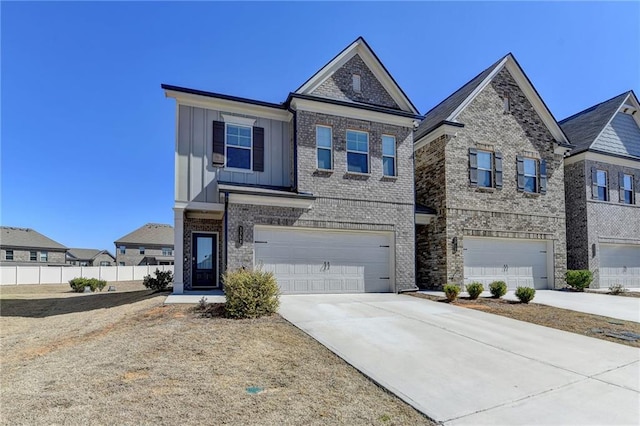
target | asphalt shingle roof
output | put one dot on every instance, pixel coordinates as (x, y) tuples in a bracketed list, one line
[(26, 237), (584, 127), (84, 254), (151, 233)]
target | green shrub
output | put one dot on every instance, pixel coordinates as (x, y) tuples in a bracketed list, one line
[(525, 294), (78, 284), (579, 279), (475, 289), (160, 282), (617, 289), (498, 289), (250, 294), (451, 291)]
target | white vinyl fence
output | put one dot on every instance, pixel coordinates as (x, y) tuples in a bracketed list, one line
[(16, 275)]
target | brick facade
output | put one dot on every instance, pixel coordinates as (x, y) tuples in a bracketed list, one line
[(592, 222), (464, 210), (23, 256), (132, 256), (191, 226)]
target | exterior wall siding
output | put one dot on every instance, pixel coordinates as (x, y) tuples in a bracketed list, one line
[(103, 258), (196, 177), (505, 212), (23, 256), (340, 85)]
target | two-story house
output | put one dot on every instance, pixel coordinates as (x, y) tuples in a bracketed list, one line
[(489, 165), (89, 257), (602, 178), (25, 246), (151, 244), (317, 189)]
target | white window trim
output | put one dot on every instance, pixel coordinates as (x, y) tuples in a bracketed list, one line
[(122, 249), (237, 169), (319, 147), (356, 78), (491, 170), (141, 249), (536, 175), (358, 152), (46, 256), (395, 156), (625, 189), (606, 184), (36, 256)]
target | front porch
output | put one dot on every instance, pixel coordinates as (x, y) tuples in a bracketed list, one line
[(194, 297)]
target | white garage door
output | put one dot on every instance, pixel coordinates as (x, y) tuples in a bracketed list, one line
[(619, 264), (518, 263), (314, 261)]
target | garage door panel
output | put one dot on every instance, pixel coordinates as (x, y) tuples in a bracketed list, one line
[(620, 264)]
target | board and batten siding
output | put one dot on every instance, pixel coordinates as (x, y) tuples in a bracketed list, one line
[(197, 177)]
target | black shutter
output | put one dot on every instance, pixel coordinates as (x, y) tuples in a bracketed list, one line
[(258, 149), (543, 177), (498, 157), (520, 169), (473, 166), (621, 186), (594, 183), (218, 143)]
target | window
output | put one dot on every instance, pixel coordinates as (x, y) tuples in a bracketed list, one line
[(506, 103), (8, 255), (238, 146), (167, 251), (485, 169), (626, 188), (530, 175), (123, 249), (84, 263), (356, 83), (105, 263), (33, 256), (120, 263), (357, 151), (44, 256), (323, 144), (141, 250), (601, 191), (388, 155)]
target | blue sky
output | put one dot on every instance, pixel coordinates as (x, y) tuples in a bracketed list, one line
[(87, 136)]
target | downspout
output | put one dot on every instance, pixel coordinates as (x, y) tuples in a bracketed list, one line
[(226, 232), (415, 233), (295, 148)]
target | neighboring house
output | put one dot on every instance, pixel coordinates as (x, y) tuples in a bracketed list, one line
[(489, 175), (151, 244), (317, 189), (602, 180), (90, 257), (24, 246)]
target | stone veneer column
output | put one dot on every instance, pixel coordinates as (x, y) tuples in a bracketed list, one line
[(178, 251)]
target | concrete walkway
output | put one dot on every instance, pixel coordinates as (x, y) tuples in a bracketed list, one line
[(462, 366), (619, 307)]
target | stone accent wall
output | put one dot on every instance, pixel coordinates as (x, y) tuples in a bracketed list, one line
[(22, 256), (504, 212), (606, 221), (191, 226), (340, 85)]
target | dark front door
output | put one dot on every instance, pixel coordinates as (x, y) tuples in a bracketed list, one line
[(205, 260)]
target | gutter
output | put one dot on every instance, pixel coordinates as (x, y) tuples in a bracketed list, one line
[(294, 185)]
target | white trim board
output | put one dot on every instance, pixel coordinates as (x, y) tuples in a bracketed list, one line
[(602, 158)]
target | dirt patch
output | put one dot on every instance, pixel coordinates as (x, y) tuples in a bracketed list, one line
[(611, 329), (141, 363)]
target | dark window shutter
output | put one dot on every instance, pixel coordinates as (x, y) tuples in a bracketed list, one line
[(543, 177), (218, 143), (621, 186), (473, 166), (258, 149), (520, 169), (498, 166), (594, 183)]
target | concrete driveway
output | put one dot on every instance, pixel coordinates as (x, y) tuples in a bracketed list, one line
[(461, 366)]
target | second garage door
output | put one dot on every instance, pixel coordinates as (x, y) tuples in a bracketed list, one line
[(619, 264), (516, 262), (324, 261)]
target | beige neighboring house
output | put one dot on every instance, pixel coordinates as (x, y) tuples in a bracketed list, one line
[(151, 244), (90, 257), (25, 246)]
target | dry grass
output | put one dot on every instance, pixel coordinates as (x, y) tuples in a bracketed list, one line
[(549, 316), (124, 358)]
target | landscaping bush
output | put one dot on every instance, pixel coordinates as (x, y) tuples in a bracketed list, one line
[(498, 289), (579, 279), (525, 294), (160, 282), (451, 291), (474, 290), (250, 294), (617, 289), (78, 284)]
